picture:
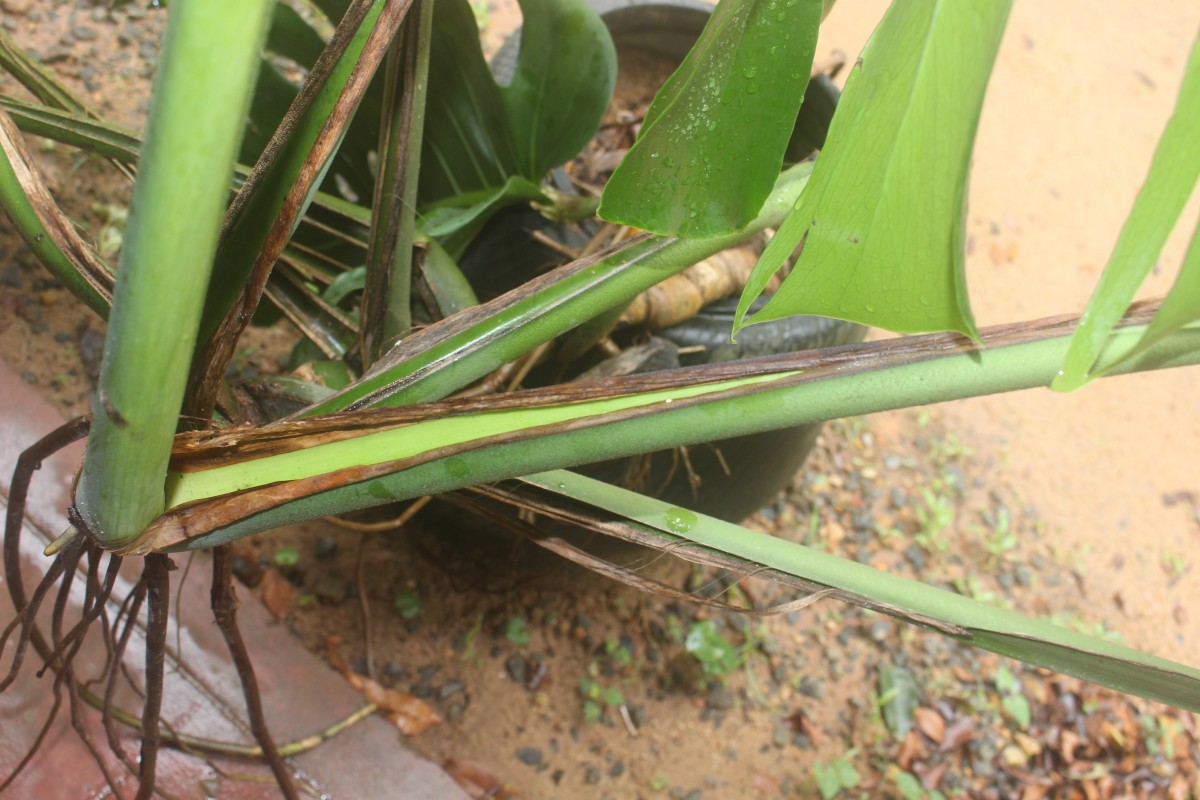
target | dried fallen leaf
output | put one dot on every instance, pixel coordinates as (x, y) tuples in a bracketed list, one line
[(930, 723), (410, 714), (276, 593), (931, 776), (1029, 745), (1068, 741), (765, 785), (957, 734), (476, 780), (912, 747)]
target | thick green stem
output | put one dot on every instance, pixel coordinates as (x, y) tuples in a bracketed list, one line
[(200, 99), (941, 374)]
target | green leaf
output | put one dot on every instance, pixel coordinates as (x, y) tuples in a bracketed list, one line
[(290, 36), (1181, 306), (909, 787), (565, 74), (899, 695), (882, 221), (713, 141), (478, 135), (1174, 171), (457, 220), (467, 145), (1017, 709), (1006, 682), (829, 783)]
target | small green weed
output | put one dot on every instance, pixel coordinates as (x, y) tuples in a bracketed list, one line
[(717, 655), (836, 776), (408, 603), (1012, 699), (516, 631), (287, 556)]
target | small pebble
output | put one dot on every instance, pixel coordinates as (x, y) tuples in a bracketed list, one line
[(529, 755), (720, 698), (880, 630), (591, 776), (451, 688), (331, 590), (617, 769), (517, 668), (810, 687), (325, 547), (782, 734)]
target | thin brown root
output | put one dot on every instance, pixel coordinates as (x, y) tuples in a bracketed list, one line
[(224, 607), (158, 597)]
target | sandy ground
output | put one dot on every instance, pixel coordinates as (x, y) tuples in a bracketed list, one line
[(1078, 98)]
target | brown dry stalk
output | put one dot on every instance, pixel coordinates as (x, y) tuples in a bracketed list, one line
[(59, 227), (214, 356)]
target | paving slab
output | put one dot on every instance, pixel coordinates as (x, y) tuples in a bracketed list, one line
[(301, 694)]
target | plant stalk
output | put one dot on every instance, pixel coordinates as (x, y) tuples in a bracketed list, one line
[(201, 95)]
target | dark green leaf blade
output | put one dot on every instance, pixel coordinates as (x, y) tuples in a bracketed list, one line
[(882, 220), (565, 73), (467, 143), (713, 141), (1174, 171)]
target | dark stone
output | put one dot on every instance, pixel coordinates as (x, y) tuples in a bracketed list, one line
[(394, 671), (557, 776), (529, 755), (423, 691), (720, 698), (781, 736), (451, 688), (917, 557), (810, 687), (91, 352), (325, 547), (331, 590), (247, 570), (591, 776), (617, 769), (517, 668)]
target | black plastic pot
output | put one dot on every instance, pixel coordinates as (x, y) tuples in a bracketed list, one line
[(730, 478)]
